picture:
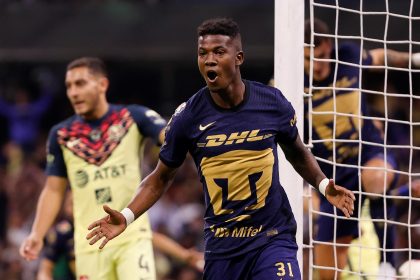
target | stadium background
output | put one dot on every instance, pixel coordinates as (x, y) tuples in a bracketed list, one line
[(150, 49)]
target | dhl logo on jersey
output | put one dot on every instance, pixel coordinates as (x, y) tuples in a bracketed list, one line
[(233, 138)]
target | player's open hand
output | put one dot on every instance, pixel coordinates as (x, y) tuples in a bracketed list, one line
[(31, 247), (340, 197), (108, 227)]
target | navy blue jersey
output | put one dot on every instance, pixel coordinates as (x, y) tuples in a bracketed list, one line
[(344, 125), (235, 152)]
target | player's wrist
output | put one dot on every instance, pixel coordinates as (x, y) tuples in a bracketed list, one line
[(128, 215), (34, 235), (415, 59), (322, 186)]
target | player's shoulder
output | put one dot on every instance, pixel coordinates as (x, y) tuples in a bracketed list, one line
[(195, 105), (139, 113), (63, 124), (267, 93), (132, 108), (261, 88)]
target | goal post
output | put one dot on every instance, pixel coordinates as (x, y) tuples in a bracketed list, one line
[(288, 77)]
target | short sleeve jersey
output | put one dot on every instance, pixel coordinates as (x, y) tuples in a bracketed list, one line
[(345, 123), (235, 152), (101, 159)]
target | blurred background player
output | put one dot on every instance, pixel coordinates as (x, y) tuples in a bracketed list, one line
[(374, 181), (250, 228), (98, 151)]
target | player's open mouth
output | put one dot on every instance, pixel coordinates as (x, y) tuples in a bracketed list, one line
[(211, 75)]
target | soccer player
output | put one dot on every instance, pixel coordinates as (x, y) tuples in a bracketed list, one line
[(98, 151), (345, 78), (231, 128)]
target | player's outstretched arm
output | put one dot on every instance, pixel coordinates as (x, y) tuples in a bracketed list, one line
[(306, 165), (150, 190), (49, 204), (394, 58)]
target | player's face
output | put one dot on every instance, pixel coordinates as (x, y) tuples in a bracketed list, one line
[(219, 58), (321, 69), (85, 91)]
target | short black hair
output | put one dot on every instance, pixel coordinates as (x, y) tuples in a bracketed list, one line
[(320, 27), (94, 64), (219, 26)]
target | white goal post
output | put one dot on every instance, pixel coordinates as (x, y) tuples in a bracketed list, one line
[(288, 77)]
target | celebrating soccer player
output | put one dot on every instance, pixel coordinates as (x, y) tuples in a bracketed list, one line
[(231, 128)]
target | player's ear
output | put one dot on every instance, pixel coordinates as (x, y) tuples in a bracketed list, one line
[(239, 59), (104, 83), (329, 44)]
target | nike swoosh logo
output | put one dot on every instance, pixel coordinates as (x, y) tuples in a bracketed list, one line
[(204, 127)]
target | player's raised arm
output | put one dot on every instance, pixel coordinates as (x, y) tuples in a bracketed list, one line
[(150, 190), (394, 58), (306, 165)]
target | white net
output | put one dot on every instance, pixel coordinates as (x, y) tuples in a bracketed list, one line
[(362, 81)]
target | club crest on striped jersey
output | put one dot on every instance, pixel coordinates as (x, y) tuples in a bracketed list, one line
[(95, 145)]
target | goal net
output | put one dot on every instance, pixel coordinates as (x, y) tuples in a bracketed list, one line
[(346, 98)]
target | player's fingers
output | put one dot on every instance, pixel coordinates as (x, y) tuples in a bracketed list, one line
[(345, 211), (94, 224), (93, 233), (22, 249), (26, 250), (351, 195), (348, 204), (29, 254), (351, 204), (350, 210), (104, 242), (108, 210), (95, 239), (350, 207)]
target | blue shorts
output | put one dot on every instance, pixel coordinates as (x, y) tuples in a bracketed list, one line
[(350, 180), (276, 260)]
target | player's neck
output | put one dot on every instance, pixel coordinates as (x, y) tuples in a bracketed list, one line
[(230, 97), (98, 113)]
